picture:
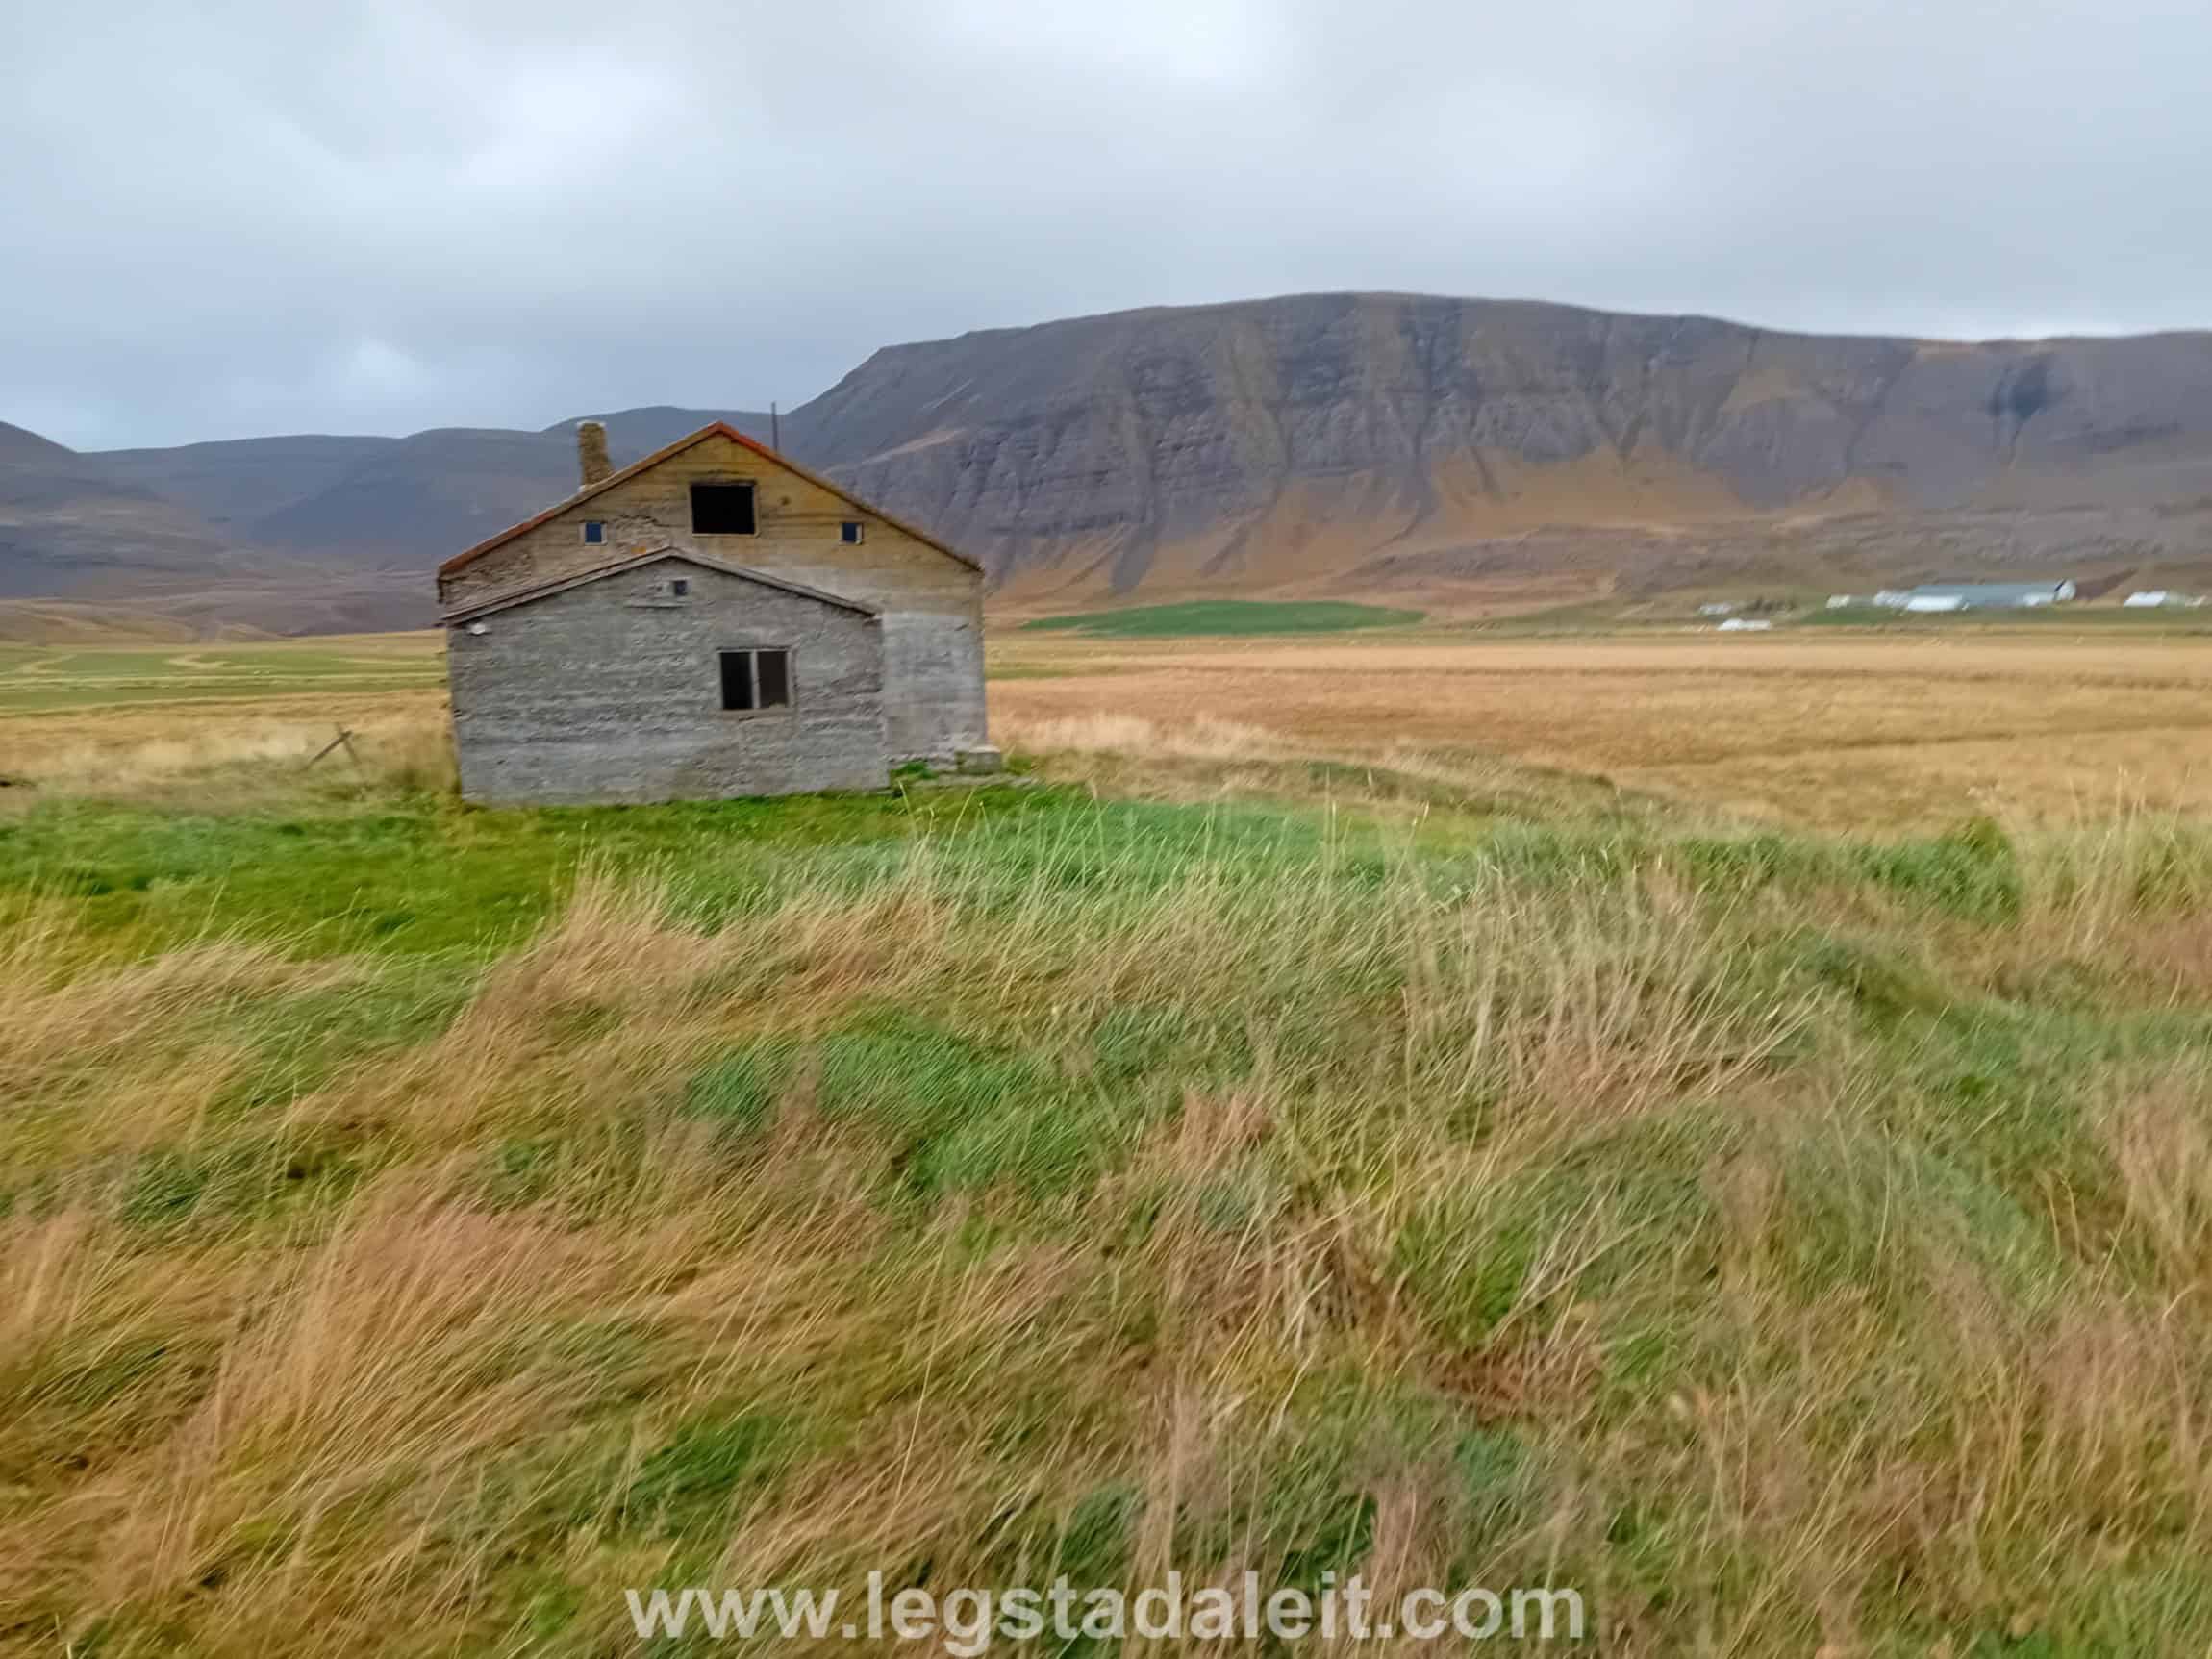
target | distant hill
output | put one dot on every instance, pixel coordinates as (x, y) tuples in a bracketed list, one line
[(632, 432), (69, 526), (439, 492), (371, 500), (1320, 445), (232, 486), (305, 533), (18, 447)]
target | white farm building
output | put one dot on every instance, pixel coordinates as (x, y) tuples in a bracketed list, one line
[(1940, 596)]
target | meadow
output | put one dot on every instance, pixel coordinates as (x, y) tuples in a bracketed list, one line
[(1215, 617), (1720, 1127), (35, 678), (1908, 731)]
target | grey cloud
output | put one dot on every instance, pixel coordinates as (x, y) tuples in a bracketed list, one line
[(238, 218)]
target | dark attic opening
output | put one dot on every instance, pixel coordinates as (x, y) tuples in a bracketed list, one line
[(722, 509)]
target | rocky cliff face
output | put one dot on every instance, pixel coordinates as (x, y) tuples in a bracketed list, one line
[(1225, 441)]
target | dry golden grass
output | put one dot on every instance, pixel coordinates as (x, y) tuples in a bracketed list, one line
[(207, 751), (1844, 732), (1841, 731)]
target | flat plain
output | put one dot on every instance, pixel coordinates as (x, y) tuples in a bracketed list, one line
[(39, 679), (1844, 730), (1848, 731)]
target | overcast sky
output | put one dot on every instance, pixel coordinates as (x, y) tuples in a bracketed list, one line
[(235, 219)]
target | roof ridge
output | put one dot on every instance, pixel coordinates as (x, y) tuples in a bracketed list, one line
[(615, 567)]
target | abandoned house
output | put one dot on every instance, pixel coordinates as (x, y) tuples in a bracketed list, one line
[(714, 621)]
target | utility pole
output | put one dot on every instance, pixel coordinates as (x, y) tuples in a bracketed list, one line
[(775, 427)]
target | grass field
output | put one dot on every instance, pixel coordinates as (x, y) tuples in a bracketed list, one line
[(1829, 730), (35, 679), (1226, 616), (2189, 621), (1641, 1117)]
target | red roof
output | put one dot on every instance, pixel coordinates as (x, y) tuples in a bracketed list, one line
[(720, 429)]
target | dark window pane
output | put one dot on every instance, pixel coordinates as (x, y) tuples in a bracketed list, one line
[(775, 678), (737, 679), (594, 532), (722, 509), (852, 530), (680, 586)]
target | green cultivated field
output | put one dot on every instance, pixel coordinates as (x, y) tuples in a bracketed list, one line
[(422, 1222), (35, 680), (1201, 616)]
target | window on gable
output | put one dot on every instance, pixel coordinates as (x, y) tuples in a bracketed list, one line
[(854, 531), (756, 679), (680, 586), (722, 509), (594, 532)]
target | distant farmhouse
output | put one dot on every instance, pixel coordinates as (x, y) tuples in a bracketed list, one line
[(1938, 596), (2163, 598), (712, 622)]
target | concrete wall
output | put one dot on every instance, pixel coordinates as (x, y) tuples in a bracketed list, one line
[(611, 692), (932, 605)]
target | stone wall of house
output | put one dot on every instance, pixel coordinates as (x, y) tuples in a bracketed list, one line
[(931, 604), (611, 690)]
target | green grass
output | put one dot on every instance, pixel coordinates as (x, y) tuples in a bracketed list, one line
[(1228, 617), (416, 873), (2089, 618), (432, 1220), (40, 681)]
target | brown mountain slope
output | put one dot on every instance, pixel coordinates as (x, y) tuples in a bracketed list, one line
[(233, 484), (68, 528), (1285, 439)]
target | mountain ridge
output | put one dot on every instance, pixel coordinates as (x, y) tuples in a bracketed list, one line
[(1415, 419), (1321, 441)]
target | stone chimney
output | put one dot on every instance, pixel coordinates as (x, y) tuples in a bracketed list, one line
[(592, 452)]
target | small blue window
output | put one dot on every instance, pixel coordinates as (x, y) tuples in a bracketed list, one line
[(854, 530), (594, 532)]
